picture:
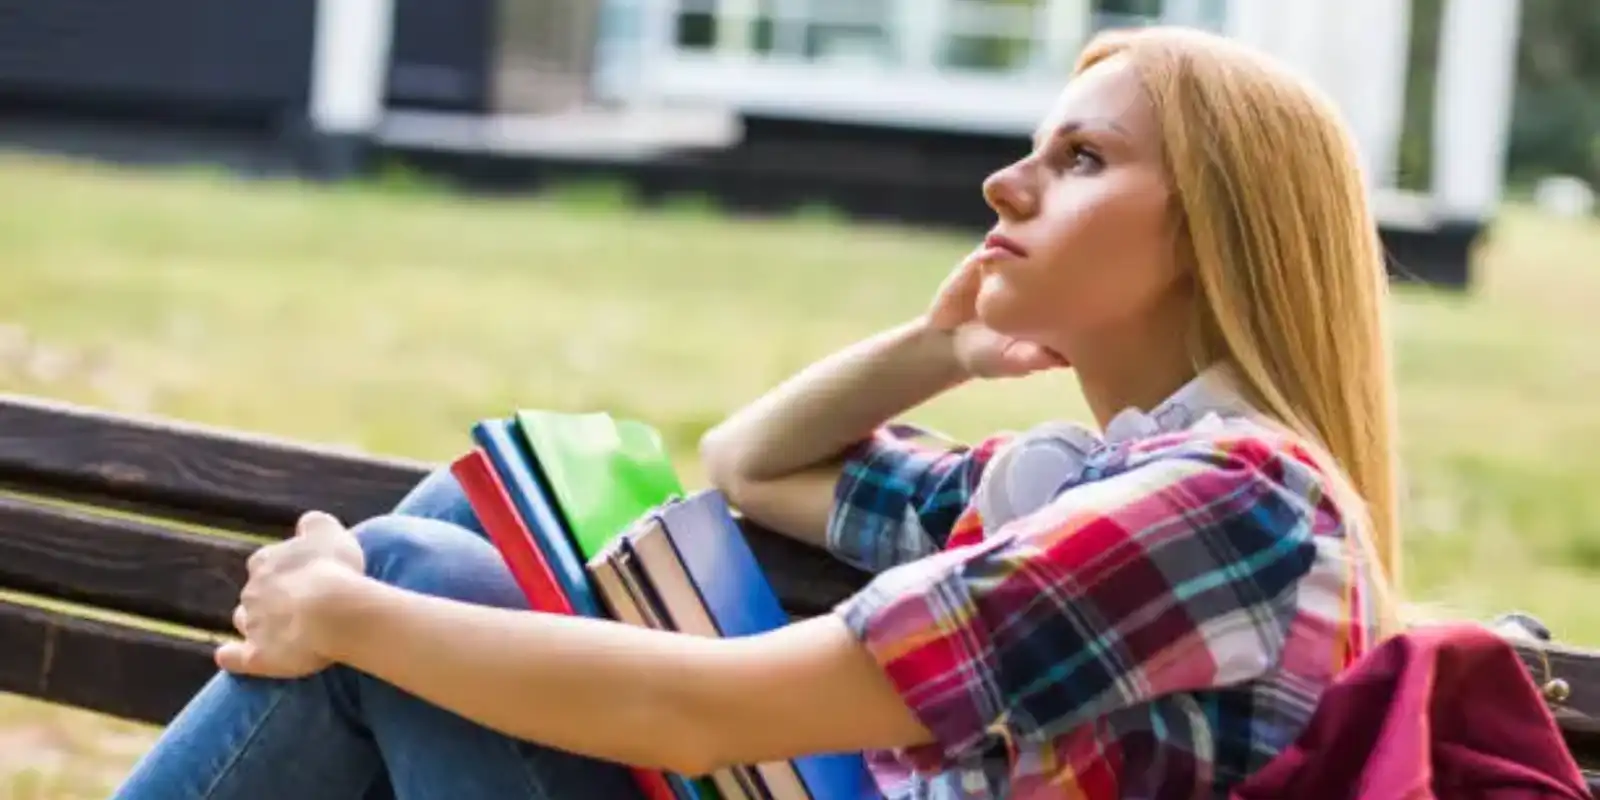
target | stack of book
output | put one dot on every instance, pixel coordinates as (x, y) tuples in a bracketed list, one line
[(682, 565)]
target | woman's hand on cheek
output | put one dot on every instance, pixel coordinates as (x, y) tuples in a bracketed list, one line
[(291, 588), (982, 351)]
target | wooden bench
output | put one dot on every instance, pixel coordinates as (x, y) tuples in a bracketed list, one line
[(123, 542)]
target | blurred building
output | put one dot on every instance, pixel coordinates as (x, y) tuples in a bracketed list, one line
[(882, 108)]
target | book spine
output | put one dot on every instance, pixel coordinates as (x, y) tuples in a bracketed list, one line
[(740, 601), (492, 502), (532, 502)]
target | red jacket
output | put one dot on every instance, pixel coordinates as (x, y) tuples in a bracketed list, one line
[(1447, 712)]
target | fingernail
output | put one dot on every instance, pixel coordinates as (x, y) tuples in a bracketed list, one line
[(315, 519)]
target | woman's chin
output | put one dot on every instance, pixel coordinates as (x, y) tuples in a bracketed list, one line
[(997, 307)]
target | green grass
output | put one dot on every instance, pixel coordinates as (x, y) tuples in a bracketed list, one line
[(390, 320)]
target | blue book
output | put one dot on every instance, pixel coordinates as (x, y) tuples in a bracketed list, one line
[(741, 603), (531, 495)]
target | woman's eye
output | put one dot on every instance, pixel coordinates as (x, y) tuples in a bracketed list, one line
[(1085, 160)]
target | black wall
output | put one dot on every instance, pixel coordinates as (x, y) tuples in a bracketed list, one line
[(245, 62), (239, 60), (443, 51)]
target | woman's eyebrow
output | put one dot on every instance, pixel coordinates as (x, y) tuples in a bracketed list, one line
[(1072, 126)]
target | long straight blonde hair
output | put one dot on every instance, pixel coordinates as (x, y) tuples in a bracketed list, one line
[(1291, 283)]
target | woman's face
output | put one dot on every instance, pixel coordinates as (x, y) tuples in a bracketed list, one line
[(1086, 239)]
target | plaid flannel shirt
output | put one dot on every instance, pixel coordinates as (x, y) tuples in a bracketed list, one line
[(1160, 624)]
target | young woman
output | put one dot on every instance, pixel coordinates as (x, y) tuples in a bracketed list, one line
[(1150, 610)]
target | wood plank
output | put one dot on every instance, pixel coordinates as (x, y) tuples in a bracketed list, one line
[(1578, 667), (1583, 741), (1578, 715), (123, 565), (113, 669), (196, 473), (808, 581), (190, 471), (194, 579)]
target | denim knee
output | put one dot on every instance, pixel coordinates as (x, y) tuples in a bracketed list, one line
[(437, 558), (439, 496)]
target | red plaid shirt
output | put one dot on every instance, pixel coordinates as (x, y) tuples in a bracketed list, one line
[(1151, 616)]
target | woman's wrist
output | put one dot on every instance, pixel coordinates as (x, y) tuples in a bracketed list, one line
[(935, 347), (337, 609)]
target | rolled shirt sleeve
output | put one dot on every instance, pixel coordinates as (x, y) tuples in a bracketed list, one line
[(1175, 575), (899, 496)]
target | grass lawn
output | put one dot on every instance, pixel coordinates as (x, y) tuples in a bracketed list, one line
[(392, 320)]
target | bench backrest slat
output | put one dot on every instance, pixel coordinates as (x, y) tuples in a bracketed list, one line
[(188, 471), (102, 666), (122, 565), (807, 581), (1580, 669)]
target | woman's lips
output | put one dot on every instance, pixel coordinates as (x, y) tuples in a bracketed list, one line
[(998, 245)]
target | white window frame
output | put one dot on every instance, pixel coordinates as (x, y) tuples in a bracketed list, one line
[(910, 88)]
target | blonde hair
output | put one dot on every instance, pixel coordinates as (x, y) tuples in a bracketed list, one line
[(1291, 282)]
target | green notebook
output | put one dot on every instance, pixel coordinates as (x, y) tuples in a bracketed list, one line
[(604, 472)]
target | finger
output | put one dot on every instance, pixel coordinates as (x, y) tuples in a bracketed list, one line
[(238, 657), (316, 523), (957, 295), (258, 560), (250, 595), (268, 556), (959, 281)]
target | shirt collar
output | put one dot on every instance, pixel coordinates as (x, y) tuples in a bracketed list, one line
[(1031, 470), (1213, 391)]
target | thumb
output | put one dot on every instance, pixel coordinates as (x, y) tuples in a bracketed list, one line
[(1030, 357), (958, 294), (237, 657)]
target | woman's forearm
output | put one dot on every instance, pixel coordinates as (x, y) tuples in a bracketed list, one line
[(815, 415), (574, 683), (631, 695)]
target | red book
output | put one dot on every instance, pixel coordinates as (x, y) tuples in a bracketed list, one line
[(493, 506)]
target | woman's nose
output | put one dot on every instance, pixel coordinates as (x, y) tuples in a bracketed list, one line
[(1010, 193)]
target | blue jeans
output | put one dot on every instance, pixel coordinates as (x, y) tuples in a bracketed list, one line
[(343, 735)]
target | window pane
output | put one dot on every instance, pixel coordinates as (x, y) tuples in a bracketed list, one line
[(987, 52), (1141, 8), (1212, 14), (847, 43), (994, 35), (697, 30), (849, 30), (779, 28), (763, 34), (1110, 14)]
